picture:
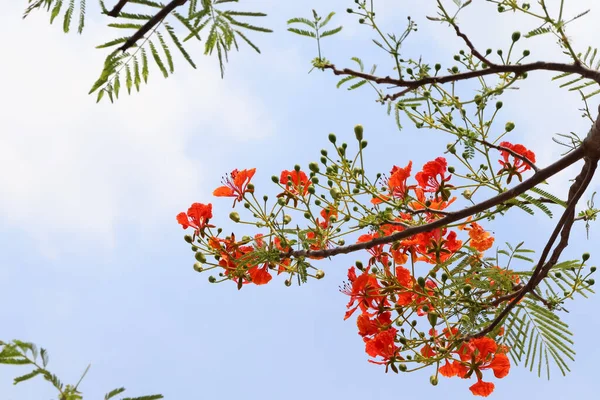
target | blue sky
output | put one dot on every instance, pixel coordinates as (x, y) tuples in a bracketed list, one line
[(94, 267)]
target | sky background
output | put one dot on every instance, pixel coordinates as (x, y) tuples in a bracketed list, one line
[(94, 267)]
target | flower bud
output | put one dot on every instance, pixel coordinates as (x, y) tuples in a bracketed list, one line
[(421, 281), (288, 282), (332, 138), (516, 36), (593, 269), (320, 274), (363, 144), (212, 279), (451, 148), (438, 67), (188, 238), (287, 219), (509, 126), (585, 256), (335, 193), (526, 53), (297, 168), (313, 166), (451, 169), (433, 380), (467, 194), (358, 132), (234, 216), (444, 277), (499, 105), (200, 257), (359, 265), (432, 317), (591, 282), (198, 267), (307, 215)]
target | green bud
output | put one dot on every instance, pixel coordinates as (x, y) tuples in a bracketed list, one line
[(200, 257), (509, 126), (358, 132), (593, 269), (402, 367), (467, 288), (432, 317), (363, 144), (275, 179), (421, 281), (335, 193), (451, 148), (591, 282), (444, 277), (585, 256), (297, 168), (558, 275), (313, 166), (526, 53), (188, 238), (234, 216), (194, 248), (499, 105), (349, 10), (323, 160), (307, 215), (438, 67), (516, 36), (212, 279), (281, 201), (320, 274), (359, 265), (361, 21), (451, 169), (467, 194), (332, 138), (433, 380), (288, 283), (455, 69), (198, 267), (287, 219)]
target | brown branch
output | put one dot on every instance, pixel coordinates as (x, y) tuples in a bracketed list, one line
[(471, 47), (152, 23), (517, 69), (521, 188), (563, 227), (117, 8)]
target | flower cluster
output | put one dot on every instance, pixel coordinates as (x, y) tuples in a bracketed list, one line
[(407, 283)]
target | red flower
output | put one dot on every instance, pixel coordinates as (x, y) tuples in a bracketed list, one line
[(382, 345), (433, 179), (517, 166), (482, 388), (295, 182), (370, 327), (260, 275), (377, 253), (197, 217), (365, 290), (236, 185), (396, 183)]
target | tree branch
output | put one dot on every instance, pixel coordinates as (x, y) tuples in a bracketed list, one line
[(563, 227), (117, 8), (521, 188), (517, 69), (152, 23)]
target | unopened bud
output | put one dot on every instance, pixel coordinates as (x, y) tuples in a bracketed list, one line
[(320, 274), (188, 238), (433, 380), (287, 219), (234, 216), (200, 257), (509, 126), (516, 36), (358, 132), (198, 267), (332, 138), (585, 256)]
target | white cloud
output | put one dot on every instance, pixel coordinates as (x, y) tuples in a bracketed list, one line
[(72, 167)]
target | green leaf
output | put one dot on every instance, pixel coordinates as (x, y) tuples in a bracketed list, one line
[(68, 17), (157, 59), (178, 44), (331, 32), (56, 10), (167, 52), (26, 377), (245, 39), (304, 21), (327, 19), (302, 32), (113, 393), (144, 66), (112, 43)]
